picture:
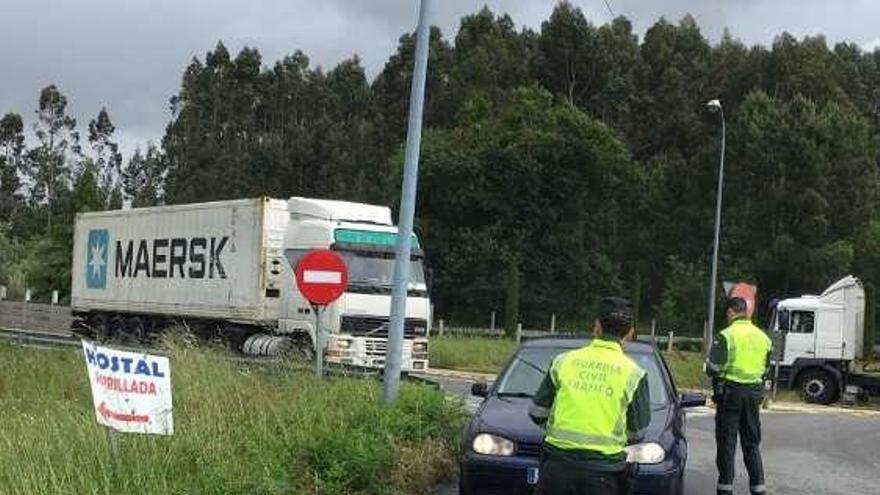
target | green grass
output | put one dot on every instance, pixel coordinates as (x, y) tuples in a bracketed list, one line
[(481, 354), (489, 355), (237, 431), (687, 369)]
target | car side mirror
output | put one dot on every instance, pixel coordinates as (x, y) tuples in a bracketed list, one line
[(480, 389), (692, 399)]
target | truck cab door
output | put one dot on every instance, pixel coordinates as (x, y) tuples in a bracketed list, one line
[(800, 339), (829, 335)]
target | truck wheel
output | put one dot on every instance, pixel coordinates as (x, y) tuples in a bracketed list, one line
[(99, 327), (136, 330), (116, 328), (818, 387)]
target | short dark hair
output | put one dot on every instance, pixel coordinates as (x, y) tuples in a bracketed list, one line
[(615, 316), (738, 305)]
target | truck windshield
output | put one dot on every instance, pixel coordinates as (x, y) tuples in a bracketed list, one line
[(374, 271)]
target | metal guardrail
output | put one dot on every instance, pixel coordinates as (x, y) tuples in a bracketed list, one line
[(38, 338), (35, 316)]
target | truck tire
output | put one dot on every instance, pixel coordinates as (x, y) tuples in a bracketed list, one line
[(818, 387), (100, 327), (136, 330), (116, 327)]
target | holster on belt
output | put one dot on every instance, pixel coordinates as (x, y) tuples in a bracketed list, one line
[(719, 388)]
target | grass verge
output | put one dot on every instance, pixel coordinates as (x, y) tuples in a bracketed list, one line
[(489, 355), (686, 369), (237, 431), (481, 354)]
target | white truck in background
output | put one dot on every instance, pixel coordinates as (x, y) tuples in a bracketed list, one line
[(226, 269), (819, 343)]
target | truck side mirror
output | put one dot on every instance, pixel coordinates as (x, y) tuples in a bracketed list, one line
[(480, 389)]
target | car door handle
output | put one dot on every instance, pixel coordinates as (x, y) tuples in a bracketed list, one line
[(809, 352)]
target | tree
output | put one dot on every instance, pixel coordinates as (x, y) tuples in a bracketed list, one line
[(542, 184), (682, 305), (569, 47), (806, 174), (11, 149), (106, 156), (49, 164), (143, 177)]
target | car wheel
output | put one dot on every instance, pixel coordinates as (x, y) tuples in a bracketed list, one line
[(818, 387)]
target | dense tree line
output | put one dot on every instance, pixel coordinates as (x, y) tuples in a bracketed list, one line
[(558, 163)]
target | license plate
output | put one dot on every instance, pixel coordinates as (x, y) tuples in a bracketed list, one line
[(532, 476)]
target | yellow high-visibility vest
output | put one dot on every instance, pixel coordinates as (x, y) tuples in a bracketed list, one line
[(747, 348), (594, 388)]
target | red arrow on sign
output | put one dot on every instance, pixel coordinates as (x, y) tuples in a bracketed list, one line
[(131, 418)]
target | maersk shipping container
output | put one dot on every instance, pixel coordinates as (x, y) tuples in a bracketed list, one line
[(219, 260)]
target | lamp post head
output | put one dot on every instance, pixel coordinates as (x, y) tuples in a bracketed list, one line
[(714, 105)]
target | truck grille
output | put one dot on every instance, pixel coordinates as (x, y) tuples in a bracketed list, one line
[(377, 326), (376, 348)]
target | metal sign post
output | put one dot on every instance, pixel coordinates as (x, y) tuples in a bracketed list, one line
[(318, 310), (407, 208)]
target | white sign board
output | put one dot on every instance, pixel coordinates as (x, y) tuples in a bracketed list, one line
[(131, 391)]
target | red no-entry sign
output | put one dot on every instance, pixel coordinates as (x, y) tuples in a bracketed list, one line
[(321, 276)]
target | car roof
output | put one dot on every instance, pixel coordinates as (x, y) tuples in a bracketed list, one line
[(575, 341)]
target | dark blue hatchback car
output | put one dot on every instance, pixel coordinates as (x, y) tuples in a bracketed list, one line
[(501, 447)]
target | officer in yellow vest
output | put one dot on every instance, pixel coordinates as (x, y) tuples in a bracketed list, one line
[(592, 400), (738, 363)]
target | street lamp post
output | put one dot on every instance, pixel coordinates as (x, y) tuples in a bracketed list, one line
[(715, 106)]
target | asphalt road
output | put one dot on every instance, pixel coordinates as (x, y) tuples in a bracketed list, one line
[(821, 452)]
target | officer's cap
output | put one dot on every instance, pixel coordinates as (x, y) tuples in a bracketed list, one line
[(615, 307)]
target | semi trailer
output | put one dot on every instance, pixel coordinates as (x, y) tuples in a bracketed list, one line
[(819, 343), (225, 270)]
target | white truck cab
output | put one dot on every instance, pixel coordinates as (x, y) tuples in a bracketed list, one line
[(817, 339)]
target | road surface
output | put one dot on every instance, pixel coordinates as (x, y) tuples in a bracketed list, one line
[(815, 451)]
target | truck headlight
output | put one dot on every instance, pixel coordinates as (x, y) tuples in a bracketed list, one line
[(645, 453), (342, 344), (487, 444), (420, 347)]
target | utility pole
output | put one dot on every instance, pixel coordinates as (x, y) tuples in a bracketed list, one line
[(407, 208)]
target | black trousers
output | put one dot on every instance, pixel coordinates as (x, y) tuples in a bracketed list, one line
[(559, 477), (738, 413)]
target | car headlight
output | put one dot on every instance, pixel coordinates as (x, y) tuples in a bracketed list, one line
[(343, 344), (645, 453), (487, 444)]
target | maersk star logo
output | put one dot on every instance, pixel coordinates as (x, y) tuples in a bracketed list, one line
[(96, 265)]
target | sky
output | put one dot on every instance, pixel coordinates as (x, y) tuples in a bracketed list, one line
[(129, 55)]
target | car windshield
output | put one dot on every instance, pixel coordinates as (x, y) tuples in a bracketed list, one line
[(528, 367)]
